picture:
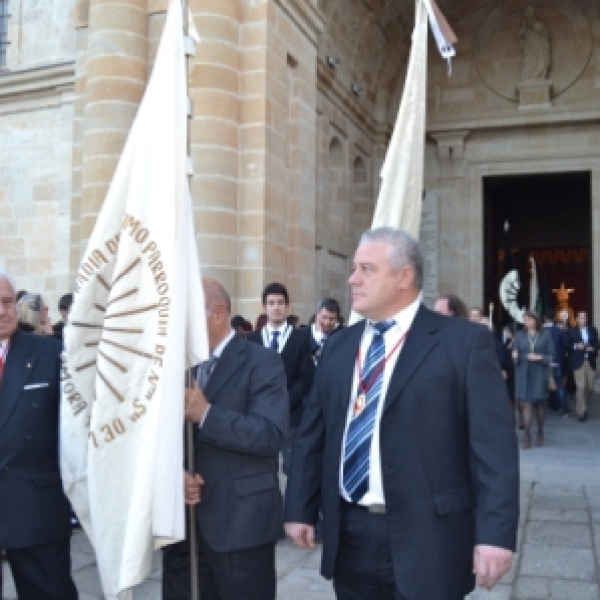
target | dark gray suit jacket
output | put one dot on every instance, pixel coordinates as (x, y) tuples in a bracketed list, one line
[(448, 451), (33, 507), (238, 447)]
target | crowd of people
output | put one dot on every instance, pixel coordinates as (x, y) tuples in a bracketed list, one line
[(543, 364), (395, 434)]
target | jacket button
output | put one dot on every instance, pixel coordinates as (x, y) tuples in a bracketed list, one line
[(34, 405), (27, 437)]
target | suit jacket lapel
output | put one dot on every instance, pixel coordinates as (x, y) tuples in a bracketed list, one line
[(18, 368), (227, 364), (345, 363), (421, 339)]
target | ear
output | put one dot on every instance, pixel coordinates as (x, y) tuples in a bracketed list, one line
[(406, 278)]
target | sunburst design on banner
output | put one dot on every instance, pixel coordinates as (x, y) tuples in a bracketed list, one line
[(120, 337)]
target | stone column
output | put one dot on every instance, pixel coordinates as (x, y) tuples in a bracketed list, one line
[(215, 137), (82, 31), (454, 220), (116, 76)]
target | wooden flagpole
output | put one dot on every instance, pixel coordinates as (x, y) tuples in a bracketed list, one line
[(190, 430)]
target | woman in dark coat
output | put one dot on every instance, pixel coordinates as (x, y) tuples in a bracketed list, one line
[(533, 351)]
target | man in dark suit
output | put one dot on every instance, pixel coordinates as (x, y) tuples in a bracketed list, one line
[(242, 418), (64, 306), (407, 444), (327, 323), (34, 513), (582, 352), (558, 339), (294, 347)]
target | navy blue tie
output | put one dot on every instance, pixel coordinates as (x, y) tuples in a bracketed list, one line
[(274, 341), (360, 430)]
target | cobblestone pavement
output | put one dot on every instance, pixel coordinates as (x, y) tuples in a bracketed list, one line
[(559, 536)]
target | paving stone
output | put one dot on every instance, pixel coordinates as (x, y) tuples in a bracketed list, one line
[(559, 501), (557, 514), (88, 581), (532, 587), (149, 590), (545, 489), (557, 561), (288, 557), (500, 592), (303, 584), (550, 533), (573, 590)]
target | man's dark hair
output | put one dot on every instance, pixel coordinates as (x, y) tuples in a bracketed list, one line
[(456, 306), (65, 302), (275, 289), (549, 315), (237, 323), (330, 305)]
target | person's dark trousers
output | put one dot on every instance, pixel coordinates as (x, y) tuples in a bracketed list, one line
[(286, 451), (176, 577), (43, 572), (363, 567), (560, 390), (240, 575)]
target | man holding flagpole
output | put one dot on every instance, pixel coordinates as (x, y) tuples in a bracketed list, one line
[(240, 407)]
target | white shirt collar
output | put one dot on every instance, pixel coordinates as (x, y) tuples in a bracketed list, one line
[(4, 348), (219, 349), (317, 333), (282, 328), (404, 318)]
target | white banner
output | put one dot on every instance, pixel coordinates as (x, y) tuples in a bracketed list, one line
[(401, 192), (138, 306)]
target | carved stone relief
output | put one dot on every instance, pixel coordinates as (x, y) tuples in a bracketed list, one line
[(532, 40)]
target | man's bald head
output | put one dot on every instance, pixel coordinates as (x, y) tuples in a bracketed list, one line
[(215, 294), (218, 311)]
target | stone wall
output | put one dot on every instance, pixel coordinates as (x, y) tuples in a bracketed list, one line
[(40, 32), (480, 126), (36, 131)]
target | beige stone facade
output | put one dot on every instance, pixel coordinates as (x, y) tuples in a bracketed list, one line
[(294, 104)]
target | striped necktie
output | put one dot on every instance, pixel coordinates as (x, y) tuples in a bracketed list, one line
[(360, 430)]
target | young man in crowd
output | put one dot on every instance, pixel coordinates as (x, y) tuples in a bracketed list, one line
[(293, 345)]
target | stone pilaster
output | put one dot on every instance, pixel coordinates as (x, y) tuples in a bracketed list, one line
[(115, 81), (215, 137), (453, 218)]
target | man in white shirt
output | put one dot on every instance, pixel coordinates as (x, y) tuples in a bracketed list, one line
[(407, 444), (327, 322), (293, 345)]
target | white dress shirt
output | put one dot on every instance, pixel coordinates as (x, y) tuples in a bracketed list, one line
[(392, 336), (4, 349), (285, 331), (317, 334)]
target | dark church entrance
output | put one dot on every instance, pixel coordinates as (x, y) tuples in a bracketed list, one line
[(550, 219)]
